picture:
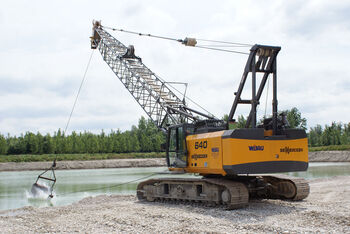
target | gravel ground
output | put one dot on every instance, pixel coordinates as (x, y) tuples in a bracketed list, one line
[(325, 210)]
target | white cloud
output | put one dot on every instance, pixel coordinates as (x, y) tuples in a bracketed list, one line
[(45, 48)]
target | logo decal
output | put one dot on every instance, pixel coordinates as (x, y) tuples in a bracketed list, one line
[(256, 148), (196, 156), (288, 150), (215, 152), (215, 149)]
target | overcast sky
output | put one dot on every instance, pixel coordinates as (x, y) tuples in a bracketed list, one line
[(45, 49)]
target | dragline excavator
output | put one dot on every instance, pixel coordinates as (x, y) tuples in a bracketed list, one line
[(233, 163)]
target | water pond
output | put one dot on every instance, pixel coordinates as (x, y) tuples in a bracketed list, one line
[(74, 185)]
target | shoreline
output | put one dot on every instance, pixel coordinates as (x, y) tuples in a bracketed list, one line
[(318, 156)]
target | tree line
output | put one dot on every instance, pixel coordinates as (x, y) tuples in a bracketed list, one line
[(146, 138), (294, 118), (142, 138), (334, 134)]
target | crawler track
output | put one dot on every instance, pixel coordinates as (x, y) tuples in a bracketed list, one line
[(232, 193), (229, 193), (286, 187)]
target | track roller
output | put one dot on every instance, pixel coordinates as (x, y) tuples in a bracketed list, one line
[(231, 193), (286, 187), (211, 192)]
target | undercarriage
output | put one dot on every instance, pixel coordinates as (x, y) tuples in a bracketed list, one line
[(232, 193)]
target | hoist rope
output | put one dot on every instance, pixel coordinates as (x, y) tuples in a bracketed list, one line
[(52, 168), (76, 98)]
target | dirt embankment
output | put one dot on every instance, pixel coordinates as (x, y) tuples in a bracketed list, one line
[(329, 156), (321, 156), (326, 210)]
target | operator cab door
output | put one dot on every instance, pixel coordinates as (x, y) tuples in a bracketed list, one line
[(177, 149)]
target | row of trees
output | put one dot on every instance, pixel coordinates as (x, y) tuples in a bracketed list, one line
[(334, 134), (293, 117), (143, 138), (146, 138)]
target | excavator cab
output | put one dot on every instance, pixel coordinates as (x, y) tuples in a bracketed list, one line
[(177, 153)]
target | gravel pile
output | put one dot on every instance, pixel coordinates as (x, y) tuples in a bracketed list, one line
[(325, 210)]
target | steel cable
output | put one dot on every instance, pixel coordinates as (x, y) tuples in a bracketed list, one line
[(183, 41), (111, 186), (76, 98), (70, 116), (143, 34), (226, 42), (223, 50)]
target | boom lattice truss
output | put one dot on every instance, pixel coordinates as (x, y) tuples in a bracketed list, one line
[(160, 103)]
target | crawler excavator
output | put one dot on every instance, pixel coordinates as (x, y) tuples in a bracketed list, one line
[(233, 163)]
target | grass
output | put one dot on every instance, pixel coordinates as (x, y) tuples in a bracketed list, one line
[(72, 157), (330, 148)]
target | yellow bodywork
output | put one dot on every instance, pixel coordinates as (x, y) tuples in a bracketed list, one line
[(208, 153)]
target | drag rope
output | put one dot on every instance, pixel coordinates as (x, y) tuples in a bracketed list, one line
[(110, 186)]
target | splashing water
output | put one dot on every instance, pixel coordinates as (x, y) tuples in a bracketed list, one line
[(39, 197), (39, 191)]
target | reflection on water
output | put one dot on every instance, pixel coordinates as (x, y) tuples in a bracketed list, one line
[(73, 185), (317, 170)]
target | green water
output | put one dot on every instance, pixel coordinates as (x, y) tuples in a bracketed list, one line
[(74, 185), (318, 170)]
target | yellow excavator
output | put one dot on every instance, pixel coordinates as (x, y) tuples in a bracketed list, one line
[(233, 163)]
